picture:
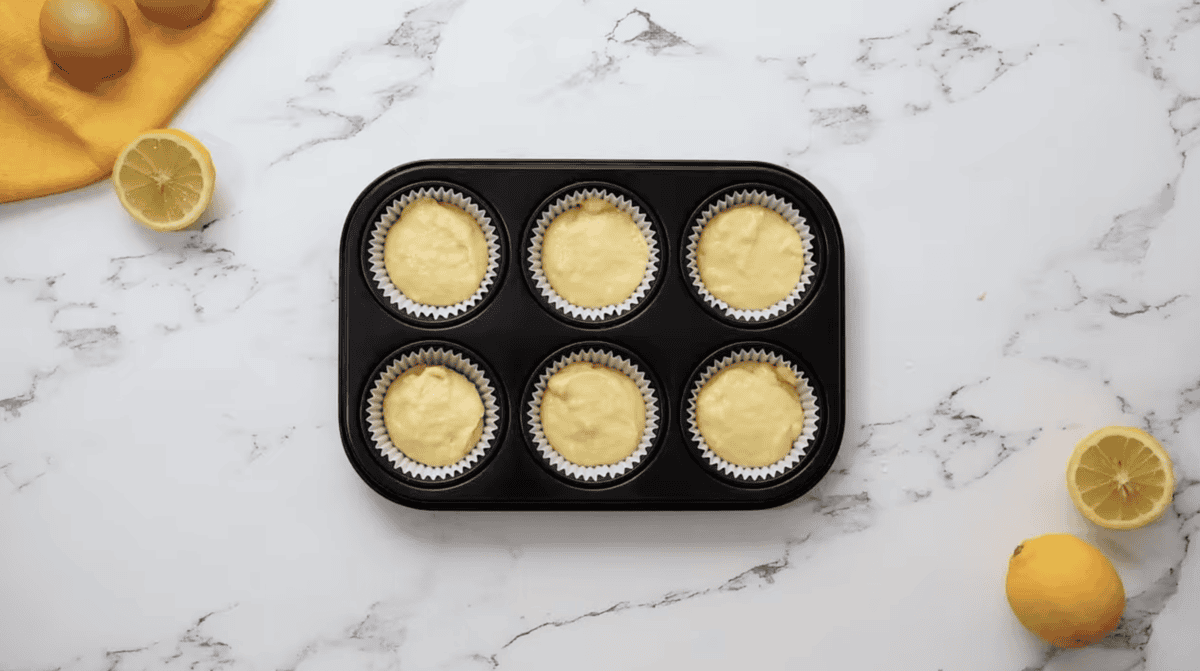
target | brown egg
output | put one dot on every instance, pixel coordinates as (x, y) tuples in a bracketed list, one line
[(175, 13), (87, 39)]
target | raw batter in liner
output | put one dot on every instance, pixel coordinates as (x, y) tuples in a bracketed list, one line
[(750, 413), (594, 254), (433, 415), (593, 415), (435, 253), (750, 257)]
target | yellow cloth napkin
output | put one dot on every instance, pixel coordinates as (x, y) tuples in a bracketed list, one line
[(55, 137)]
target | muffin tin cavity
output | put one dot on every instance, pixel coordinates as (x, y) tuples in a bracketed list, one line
[(455, 358), (610, 356), (802, 447), (512, 335), (571, 198), (386, 216), (723, 201)]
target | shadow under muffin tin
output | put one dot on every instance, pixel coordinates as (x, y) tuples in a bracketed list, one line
[(512, 332)]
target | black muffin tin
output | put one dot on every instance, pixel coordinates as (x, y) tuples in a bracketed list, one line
[(513, 333)]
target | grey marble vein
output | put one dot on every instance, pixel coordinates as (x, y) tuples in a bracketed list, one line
[(961, 442), (635, 32), (760, 576), (13, 404), (21, 480), (264, 444), (959, 62), (637, 27), (194, 649), (95, 346), (341, 95), (215, 281), (1129, 238), (381, 633)]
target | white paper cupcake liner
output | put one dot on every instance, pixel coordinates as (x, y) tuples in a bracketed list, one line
[(379, 271), (457, 363), (603, 472), (808, 401), (539, 276), (785, 210)]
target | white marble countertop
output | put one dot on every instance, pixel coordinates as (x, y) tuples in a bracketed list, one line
[(1020, 217)]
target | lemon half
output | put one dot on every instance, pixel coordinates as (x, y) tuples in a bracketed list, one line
[(1120, 478), (165, 178)]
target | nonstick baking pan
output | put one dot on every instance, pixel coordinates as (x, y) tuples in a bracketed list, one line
[(513, 332)]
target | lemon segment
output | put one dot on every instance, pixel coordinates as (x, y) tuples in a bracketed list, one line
[(1120, 478), (165, 179)]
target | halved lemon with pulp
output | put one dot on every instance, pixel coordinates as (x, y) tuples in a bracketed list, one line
[(1120, 478), (165, 179)]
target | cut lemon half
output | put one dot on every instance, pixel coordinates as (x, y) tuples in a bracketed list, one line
[(1120, 478), (165, 179)]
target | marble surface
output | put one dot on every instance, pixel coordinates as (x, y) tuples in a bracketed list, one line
[(1020, 214)]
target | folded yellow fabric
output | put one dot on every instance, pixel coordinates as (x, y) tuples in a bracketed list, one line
[(55, 137)]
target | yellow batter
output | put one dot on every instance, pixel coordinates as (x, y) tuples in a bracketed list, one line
[(750, 413), (750, 257), (435, 253), (593, 415), (594, 254), (433, 415)]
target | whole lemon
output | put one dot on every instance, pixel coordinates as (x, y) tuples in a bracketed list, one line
[(1064, 590)]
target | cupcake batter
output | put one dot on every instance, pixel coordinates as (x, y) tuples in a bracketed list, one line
[(593, 415), (435, 253), (750, 413), (433, 415), (594, 254), (750, 257)]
